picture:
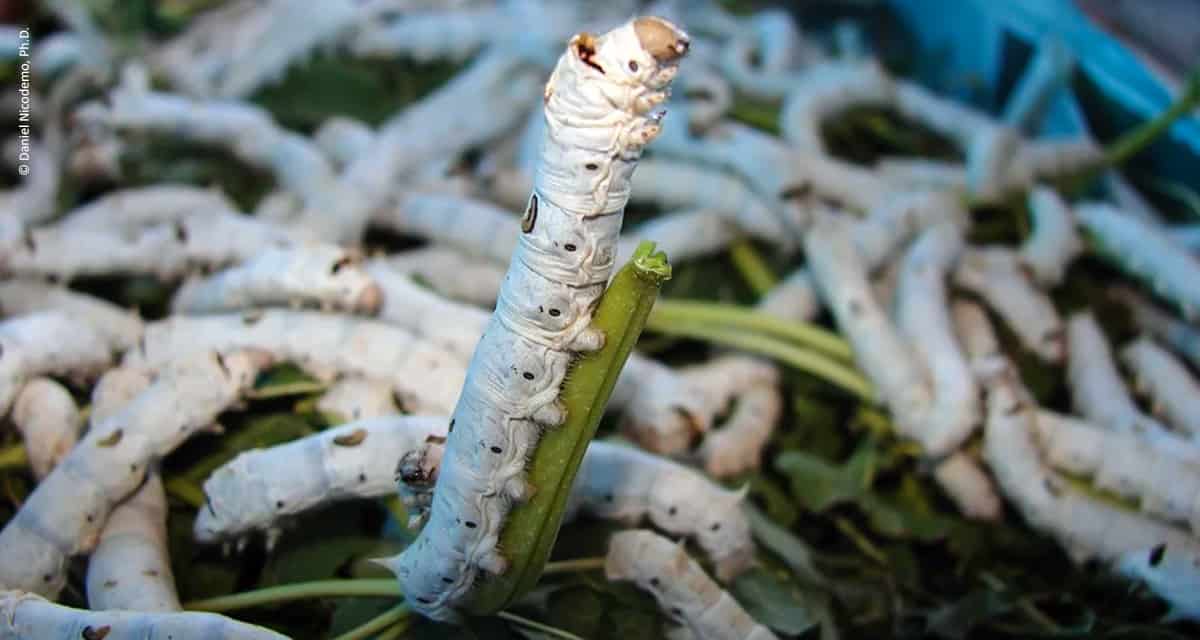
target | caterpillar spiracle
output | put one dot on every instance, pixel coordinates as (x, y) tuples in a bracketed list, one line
[(602, 106)]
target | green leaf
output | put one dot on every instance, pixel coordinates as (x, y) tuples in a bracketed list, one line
[(578, 610), (794, 552), (774, 602), (817, 484), (955, 621)]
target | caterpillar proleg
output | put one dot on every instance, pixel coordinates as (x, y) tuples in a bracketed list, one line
[(602, 107), (66, 512), (1174, 390), (663, 568)]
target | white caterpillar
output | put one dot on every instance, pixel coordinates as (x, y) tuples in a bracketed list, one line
[(1148, 253), (969, 487), (426, 377), (452, 273), (1181, 336), (601, 110), (1097, 390), (45, 414), (259, 488), (131, 209), (1054, 242), (322, 274), (923, 315), (681, 587), (1175, 392), (1042, 77), (824, 91), (130, 568), (25, 616), (355, 398), (66, 512), (879, 351), (343, 139), (1140, 548), (994, 273), (738, 445), (1166, 486), (48, 343)]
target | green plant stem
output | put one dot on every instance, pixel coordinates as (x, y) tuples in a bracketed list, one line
[(861, 541), (578, 564), (668, 312), (537, 626), (832, 371), (13, 457), (532, 528), (363, 587), (1024, 604), (380, 622), (185, 491), (753, 269), (395, 632)]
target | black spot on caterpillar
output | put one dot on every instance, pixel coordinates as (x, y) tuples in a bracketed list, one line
[(591, 166), (112, 439), (531, 214), (1157, 553), (569, 247), (181, 233), (98, 633), (795, 192), (351, 439)]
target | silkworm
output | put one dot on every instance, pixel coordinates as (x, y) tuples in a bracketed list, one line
[(1186, 235), (130, 568), (1165, 486), (1053, 158), (343, 139), (1175, 392), (1146, 252), (738, 444), (762, 54), (825, 90), (45, 414), (472, 226), (994, 273), (1054, 242), (48, 343), (1164, 557), (426, 377), (1041, 79), (969, 487), (454, 35), (923, 173), (120, 327), (66, 512), (600, 106), (260, 488), (26, 616), (879, 350), (355, 398), (34, 201), (1097, 391), (922, 315), (1182, 337), (978, 339), (131, 209), (680, 586), (324, 275), (452, 273)]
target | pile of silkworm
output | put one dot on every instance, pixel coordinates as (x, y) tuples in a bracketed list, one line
[(472, 333)]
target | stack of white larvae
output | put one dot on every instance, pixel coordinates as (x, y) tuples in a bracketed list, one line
[(884, 250)]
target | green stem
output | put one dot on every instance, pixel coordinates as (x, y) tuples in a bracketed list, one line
[(668, 312), (578, 564), (13, 457), (382, 587), (537, 626), (811, 362), (376, 624), (1025, 605), (532, 528), (752, 267), (395, 632), (185, 490), (861, 541)]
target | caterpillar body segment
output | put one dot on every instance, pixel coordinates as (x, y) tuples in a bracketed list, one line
[(971, 489), (259, 489), (1054, 242), (130, 568), (355, 398), (681, 587), (45, 414), (67, 511), (994, 273), (131, 209), (48, 343), (1180, 336), (1173, 389), (602, 106), (1097, 391)]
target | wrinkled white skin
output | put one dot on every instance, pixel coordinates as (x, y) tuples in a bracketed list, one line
[(324, 275), (922, 315), (1164, 485), (1182, 337), (1147, 252), (1173, 389), (45, 414), (1097, 391), (994, 273), (601, 106), (426, 377), (1054, 242), (259, 489), (25, 616), (130, 568), (48, 343), (879, 350), (67, 511), (130, 209), (167, 250), (355, 398), (343, 139), (662, 567), (970, 487), (1166, 558)]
